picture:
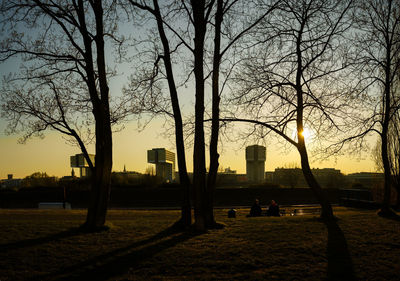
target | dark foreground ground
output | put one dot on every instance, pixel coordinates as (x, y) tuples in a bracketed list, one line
[(44, 245)]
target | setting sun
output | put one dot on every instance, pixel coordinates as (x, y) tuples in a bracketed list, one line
[(306, 133)]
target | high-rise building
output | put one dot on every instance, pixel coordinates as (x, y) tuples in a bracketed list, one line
[(164, 161), (79, 161), (255, 163)]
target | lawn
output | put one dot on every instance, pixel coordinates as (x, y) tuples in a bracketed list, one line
[(140, 245)]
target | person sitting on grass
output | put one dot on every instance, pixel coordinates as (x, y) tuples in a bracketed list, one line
[(273, 209), (255, 210)]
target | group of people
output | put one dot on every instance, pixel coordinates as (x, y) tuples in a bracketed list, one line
[(272, 210)]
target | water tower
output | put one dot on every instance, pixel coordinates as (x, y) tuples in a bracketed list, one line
[(255, 163)]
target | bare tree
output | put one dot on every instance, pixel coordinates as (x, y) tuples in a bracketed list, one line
[(289, 80), (393, 154), (48, 103), (377, 44), (175, 26), (198, 18), (62, 47), (222, 11), (148, 86)]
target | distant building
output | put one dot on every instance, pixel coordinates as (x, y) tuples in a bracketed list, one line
[(255, 163), (269, 176), (365, 179), (229, 177), (293, 177), (329, 177), (79, 161), (164, 161), (10, 182)]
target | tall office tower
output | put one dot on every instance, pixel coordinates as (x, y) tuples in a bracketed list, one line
[(164, 161), (255, 163)]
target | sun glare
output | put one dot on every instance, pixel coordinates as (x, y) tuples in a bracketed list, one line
[(306, 133)]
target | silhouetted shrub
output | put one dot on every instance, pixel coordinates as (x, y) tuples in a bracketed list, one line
[(39, 179)]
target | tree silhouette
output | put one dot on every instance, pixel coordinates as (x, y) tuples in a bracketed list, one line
[(377, 45), (64, 75), (393, 154), (224, 11), (289, 77), (142, 89), (204, 22)]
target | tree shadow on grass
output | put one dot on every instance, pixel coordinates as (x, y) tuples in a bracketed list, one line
[(119, 261), (40, 240), (340, 264)]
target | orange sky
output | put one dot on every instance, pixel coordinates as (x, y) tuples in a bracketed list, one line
[(51, 154)]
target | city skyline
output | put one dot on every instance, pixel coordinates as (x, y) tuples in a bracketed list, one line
[(51, 154)]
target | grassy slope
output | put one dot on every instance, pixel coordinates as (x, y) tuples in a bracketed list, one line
[(40, 245)]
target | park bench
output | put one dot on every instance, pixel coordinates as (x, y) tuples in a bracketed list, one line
[(54, 205)]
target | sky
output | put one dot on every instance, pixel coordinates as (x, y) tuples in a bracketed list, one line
[(51, 154)]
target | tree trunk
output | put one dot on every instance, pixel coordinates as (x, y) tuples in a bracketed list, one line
[(387, 175), (186, 209), (386, 103), (199, 163), (396, 170), (186, 214), (214, 156), (326, 207), (327, 212), (101, 179)]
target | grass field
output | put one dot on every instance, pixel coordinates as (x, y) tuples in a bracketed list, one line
[(140, 245)]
